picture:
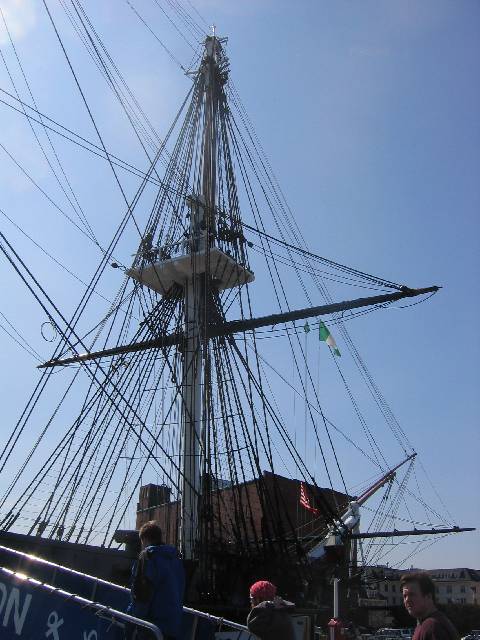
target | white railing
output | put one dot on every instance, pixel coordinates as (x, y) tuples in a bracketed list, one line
[(114, 616), (222, 623)]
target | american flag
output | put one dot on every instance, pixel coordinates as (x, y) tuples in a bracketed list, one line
[(305, 500)]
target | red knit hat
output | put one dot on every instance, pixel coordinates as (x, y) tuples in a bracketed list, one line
[(263, 590)]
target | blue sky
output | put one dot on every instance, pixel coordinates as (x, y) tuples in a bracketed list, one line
[(369, 114)]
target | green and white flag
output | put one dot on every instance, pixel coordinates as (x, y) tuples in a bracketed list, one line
[(325, 335)]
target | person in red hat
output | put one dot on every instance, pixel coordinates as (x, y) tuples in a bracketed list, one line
[(270, 615)]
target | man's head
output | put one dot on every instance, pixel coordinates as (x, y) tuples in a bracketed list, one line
[(150, 533), (418, 592), (261, 591)]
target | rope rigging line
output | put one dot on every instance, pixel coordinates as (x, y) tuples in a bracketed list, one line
[(281, 332), (402, 562), (22, 468), (224, 371), (282, 290), (190, 22), (286, 438), (106, 256), (267, 449), (114, 436), (26, 413), (317, 410), (89, 371), (265, 165), (93, 148), (325, 274), (107, 487), (198, 14), (31, 494), (414, 523), (177, 62), (392, 417), (452, 519), (105, 465), (75, 203), (57, 207), (175, 26), (110, 72), (92, 467), (234, 131), (91, 116), (20, 340), (49, 255), (390, 513), (108, 252), (369, 278), (134, 112)]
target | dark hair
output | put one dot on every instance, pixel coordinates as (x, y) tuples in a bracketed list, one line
[(151, 531), (424, 581)]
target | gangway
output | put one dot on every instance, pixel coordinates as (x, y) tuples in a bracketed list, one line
[(39, 598)]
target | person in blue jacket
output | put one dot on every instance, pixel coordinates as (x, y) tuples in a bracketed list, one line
[(158, 583)]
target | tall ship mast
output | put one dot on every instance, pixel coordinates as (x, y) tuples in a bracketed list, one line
[(169, 386)]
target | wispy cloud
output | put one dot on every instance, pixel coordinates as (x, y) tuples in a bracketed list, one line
[(20, 18)]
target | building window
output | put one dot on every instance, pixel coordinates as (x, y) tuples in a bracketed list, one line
[(462, 589), (449, 589), (394, 588), (385, 587)]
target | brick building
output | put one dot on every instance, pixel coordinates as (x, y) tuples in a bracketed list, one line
[(252, 510)]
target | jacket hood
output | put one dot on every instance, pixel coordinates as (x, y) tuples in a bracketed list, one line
[(276, 603), (163, 550)]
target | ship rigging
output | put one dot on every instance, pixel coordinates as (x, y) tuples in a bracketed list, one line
[(172, 377)]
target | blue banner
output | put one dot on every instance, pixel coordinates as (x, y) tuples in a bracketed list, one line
[(33, 611)]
